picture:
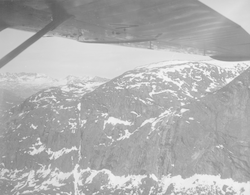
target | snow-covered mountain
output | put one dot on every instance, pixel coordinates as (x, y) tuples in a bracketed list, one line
[(27, 84), (165, 128)]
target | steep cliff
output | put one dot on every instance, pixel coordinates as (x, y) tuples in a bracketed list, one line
[(159, 129)]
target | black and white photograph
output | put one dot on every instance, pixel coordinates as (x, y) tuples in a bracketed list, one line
[(124, 97)]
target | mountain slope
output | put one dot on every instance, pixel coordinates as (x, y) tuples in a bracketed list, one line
[(7, 100), (158, 129), (18, 86)]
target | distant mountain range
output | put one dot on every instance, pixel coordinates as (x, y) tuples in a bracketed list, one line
[(166, 128), (27, 84)]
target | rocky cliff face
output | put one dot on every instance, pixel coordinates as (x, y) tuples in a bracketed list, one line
[(159, 129)]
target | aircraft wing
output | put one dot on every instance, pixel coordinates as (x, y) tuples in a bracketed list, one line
[(186, 26)]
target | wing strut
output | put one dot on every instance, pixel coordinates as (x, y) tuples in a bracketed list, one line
[(58, 18)]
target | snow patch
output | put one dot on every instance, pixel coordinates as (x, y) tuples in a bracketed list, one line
[(184, 110), (210, 183), (125, 136), (115, 121), (220, 146), (33, 126), (56, 154), (79, 106)]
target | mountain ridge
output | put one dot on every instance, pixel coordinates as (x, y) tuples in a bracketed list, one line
[(149, 131)]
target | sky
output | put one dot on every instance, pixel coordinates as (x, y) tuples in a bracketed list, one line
[(58, 57)]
